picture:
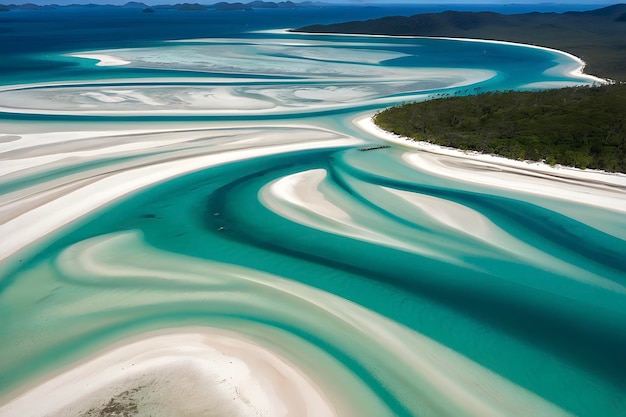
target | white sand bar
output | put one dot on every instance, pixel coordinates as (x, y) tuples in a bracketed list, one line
[(103, 60), (42, 220), (207, 372)]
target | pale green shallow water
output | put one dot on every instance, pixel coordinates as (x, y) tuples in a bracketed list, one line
[(529, 287)]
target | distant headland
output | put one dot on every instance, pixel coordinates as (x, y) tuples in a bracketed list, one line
[(597, 36), (580, 127)]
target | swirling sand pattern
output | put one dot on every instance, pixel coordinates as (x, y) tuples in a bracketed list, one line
[(229, 258)]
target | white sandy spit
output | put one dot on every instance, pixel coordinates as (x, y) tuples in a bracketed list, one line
[(103, 60), (205, 372), (306, 198)]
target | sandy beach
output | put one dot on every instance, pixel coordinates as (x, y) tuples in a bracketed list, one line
[(183, 372), (561, 182), (210, 371), (103, 60)]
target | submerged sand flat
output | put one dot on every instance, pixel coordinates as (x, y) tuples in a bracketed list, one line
[(247, 242)]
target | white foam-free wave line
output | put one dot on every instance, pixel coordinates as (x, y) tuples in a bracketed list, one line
[(103, 60), (45, 219), (428, 378)]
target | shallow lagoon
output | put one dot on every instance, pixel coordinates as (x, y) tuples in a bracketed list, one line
[(223, 183)]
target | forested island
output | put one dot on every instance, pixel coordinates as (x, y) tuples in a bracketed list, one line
[(597, 36), (584, 127)]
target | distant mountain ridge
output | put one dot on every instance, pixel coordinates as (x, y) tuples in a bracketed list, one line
[(257, 4), (456, 22), (597, 36)]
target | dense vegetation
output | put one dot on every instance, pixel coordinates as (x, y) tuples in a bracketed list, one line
[(596, 36), (583, 127)]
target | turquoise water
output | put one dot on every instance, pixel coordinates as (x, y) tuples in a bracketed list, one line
[(251, 204)]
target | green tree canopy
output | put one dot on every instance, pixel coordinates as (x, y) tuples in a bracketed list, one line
[(584, 127)]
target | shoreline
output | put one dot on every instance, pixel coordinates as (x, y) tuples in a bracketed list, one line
[(576, 72), (367, 124), (538, 178)]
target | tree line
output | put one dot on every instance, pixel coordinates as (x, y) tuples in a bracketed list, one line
[(583, 127)]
